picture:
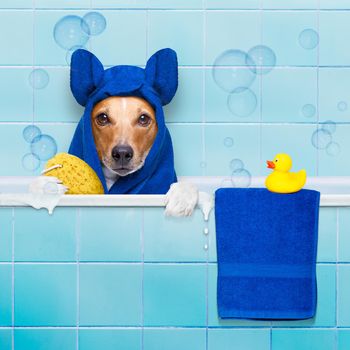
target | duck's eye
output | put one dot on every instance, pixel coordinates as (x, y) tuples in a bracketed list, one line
[(276, 160), (144, 120), (102, 119)]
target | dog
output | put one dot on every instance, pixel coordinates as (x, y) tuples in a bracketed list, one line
[(124, 129)]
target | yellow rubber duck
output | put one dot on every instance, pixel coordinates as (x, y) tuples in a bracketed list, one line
[(281, 180)]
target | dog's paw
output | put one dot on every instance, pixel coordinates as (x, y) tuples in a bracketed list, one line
[(181, 199), (47, 185)]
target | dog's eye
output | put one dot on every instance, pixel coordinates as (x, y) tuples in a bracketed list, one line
[(102, 119), (144, 120)]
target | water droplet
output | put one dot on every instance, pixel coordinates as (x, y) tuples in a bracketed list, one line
[(236, 164), (206, 231), (203, 164), (30, 132), (44, 147), (308, 39), (68, 32), (228, 141), (30, 162), (308, 110), (321, 138), (242, 102), (333, 149), (241, 178), (230, 70), (206, 247), (94, 23), (70, 53), (264, 58), (329, 126), (38, 78), (342, 106), (226, 183)]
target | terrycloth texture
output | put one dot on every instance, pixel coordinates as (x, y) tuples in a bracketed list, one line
[(266, 245), (157, 84)]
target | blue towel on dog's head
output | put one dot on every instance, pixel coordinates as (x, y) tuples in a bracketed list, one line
[(266, 245), (157, 84)]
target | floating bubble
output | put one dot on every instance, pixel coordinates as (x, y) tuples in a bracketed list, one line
[(329, 126), (30, 162), (263, 57), (51, 188), (321, 138), (93, 23), (333, 149), (241, 178), (308, 39), (308, 110), (226, 183), (70, 53), (30, 132), (236, 164), (39, 78), (228, 141), (242, 102), (44, 147), (68, 32), (234, 69), (342, 106)]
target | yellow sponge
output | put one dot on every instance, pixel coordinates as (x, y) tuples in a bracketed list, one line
[(74, 173)]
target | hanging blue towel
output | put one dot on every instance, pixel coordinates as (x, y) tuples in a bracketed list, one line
[(266, 246)]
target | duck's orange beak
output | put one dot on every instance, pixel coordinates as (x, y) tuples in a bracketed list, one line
[(270, 164)]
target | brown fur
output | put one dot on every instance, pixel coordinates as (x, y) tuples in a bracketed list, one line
[(123, 129)]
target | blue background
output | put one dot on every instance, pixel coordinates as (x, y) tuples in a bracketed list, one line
[(75, 278)]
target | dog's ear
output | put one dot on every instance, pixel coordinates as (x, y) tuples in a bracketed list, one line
[(86, 72), (161, 73)]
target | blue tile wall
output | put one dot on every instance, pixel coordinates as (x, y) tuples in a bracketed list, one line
[(110, 295), (6, 229), (50, 339), (130, 278), (110, 339)]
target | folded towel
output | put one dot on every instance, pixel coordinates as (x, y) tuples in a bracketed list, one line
[(267, 246)]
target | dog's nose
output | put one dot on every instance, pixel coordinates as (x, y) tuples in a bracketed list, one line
[(122, 153)]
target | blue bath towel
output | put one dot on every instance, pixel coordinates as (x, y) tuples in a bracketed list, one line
[(157, 84), (266, 245)]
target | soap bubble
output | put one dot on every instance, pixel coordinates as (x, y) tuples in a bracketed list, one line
[(226, 183), (71, 51), (333, 149), (242, 102), (68, 32), (93, 23), (308, 110), (38, 78), (264, 58), (30, 162), (308, 39), (236, 164), (30, 132), (44, 147), (329, 126), (241, 178), (342, 106), (321, 138), (228, 141), (233, 69), (51, 188)]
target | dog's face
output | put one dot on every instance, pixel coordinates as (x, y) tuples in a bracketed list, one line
[(124, 129)]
